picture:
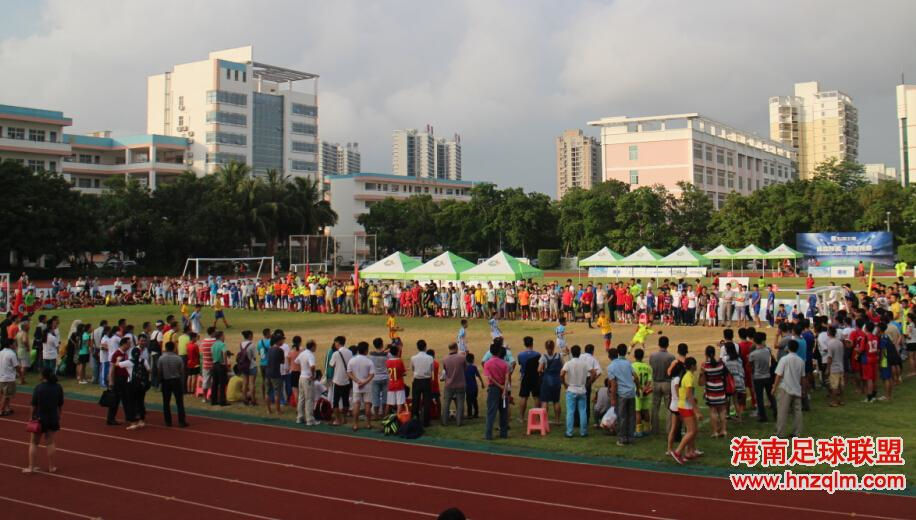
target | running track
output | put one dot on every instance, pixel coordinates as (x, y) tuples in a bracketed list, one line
[(228, 469)]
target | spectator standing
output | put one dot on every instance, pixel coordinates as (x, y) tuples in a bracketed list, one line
[(9, 371), (761, 360), (453, 369), (219, 370), (623, 395), (496, 370), (305, 406), (342, 384), (47, 403), (576, 374), (421, 365), (360, 372), (379, 386), (788, 383), (659, 361), (275, 359), (172, 377)]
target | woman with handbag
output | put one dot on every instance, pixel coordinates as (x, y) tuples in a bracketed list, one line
[(47, 402)]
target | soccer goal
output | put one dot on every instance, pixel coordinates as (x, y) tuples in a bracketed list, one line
[(246, 267), (4, 293), (330, 252)]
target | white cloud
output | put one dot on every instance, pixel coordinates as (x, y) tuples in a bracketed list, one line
[(507, 75)]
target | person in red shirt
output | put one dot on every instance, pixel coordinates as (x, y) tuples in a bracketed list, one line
[(870, 366), (397, 397), (809, 282), (193, 366), (117, 381), (745, 346), (857, 344), (587, 297)]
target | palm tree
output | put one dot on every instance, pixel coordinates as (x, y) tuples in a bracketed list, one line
[(309, 211)]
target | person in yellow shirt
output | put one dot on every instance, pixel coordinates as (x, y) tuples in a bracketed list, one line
[(262, 291), (219, 313), (393, 327), (185, 316), (689, 413), (374, 300), (605, 325)]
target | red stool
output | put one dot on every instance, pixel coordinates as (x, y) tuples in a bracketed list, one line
[(537, 421)]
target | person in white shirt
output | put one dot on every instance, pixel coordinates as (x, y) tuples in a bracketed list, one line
[(305, 406), (342, 385), (360, 371), (9, 372), (594, 370), (421, 365), (576, 377), (51, 344), (95, 352), (788, 385)]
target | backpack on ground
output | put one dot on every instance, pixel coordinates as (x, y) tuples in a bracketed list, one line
[(391, 425), (323, 409), (412, 430)]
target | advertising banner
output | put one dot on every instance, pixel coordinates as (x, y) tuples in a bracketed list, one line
[(846, 248)]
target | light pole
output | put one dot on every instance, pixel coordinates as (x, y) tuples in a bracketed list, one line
[(888, 221)]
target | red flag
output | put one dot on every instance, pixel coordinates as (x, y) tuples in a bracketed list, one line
[(18, 308)]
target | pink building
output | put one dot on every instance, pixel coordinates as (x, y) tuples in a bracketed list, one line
[(667, 149)]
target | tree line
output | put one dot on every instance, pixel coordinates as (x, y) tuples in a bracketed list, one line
[(612, 213), (231, 213)]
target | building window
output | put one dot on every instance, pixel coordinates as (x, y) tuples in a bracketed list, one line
[(15, 133), (370, 186), (634, 176), (721, 200), (52, 166), (730, 158), (740, 182), (731, 180), (84, 183), (180, 120), (299, 146), (709, 153), (304, 128), (720, 156), (720, 178), (36, 166), (698, 175), (307, 166), (244, 76), (53, 137), (227, 138), (229, 98), (227, 118), (236, 75), (304, 110), (85, 158), (223, 158), (740, 161), (698, 151), (710, 175), (36, 135), (634, 152), (228, 74)]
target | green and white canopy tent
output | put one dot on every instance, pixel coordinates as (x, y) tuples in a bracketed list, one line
[(684, 257), (605, 257), (392, 267), (447, 266), (722, 253), (784, 252), (750, 252), (501, 267), (642, 257)]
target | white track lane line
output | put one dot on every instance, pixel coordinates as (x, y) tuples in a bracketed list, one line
[(48, 508), (342, 474), (500, 473), (128, 490)]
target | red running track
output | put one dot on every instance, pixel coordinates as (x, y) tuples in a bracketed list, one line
[(234, 469)]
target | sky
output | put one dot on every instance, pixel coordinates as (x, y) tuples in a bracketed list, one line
[(507, 75)]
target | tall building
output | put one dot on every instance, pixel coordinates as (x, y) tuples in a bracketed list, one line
[(34, 138), (578, 161), (817, 124), (667, 149), (232, 108), (418, 154), (337, 159), (880, 172), (906, 122)]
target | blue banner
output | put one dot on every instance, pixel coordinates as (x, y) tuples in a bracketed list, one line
[(846, 248)]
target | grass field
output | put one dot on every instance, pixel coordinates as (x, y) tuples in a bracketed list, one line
[(856, 418)]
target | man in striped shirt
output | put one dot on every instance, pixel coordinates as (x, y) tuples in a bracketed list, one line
[(206, 360)]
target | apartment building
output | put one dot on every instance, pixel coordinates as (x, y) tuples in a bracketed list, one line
[(880, 172), (816, 124), (667, 149), (906, 123), (578, 161), (352, 195), (417, 153), (233, 108), (34, 137), (337, 159)]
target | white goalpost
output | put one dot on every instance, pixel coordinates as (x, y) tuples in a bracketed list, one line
[(329, 252), (262, 261)]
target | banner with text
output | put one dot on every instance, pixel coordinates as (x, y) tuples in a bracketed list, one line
[(846, 248)]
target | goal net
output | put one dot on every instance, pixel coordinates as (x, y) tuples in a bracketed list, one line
[(246, 267), (5, 293)]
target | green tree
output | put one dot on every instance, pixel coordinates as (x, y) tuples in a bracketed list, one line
[(848, 174), (386, 219), (640, 219), (689, 215)]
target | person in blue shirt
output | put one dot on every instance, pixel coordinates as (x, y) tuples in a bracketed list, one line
[(771, 305), (263, 349), (812, 306), (528, 361), (755, 305), (494, 327), (471, 376), (622, 392), (808, 345), (561, 333), (462, 339)]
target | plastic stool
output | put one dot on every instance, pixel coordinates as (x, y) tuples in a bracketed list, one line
[(537, 421)]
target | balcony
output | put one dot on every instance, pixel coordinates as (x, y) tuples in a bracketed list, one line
[(120, 169), (37, 147)]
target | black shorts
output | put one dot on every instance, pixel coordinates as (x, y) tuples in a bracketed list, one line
[(619, 308), (510, 307), (194, 371), (83, 359), (567, 308), (524, 308), (531, 387), (342, 396), (911, 347)]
